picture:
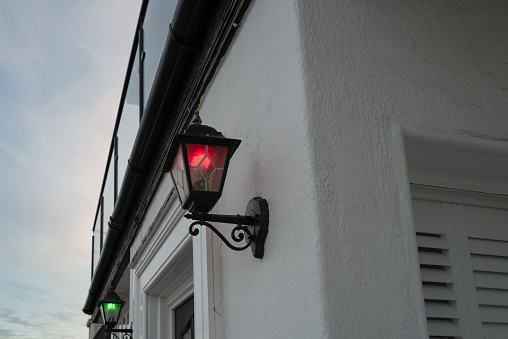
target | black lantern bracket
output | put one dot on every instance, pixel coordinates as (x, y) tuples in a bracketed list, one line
[(120, 333), (251, 227)]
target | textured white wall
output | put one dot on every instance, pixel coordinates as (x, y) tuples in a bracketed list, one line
[(258, 96), (314, 90), (437, 66)]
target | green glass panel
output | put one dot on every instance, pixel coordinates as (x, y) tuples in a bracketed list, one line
[(112, 312), (112, 306)]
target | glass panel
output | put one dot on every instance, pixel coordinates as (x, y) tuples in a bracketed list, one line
[(111, 312), (218, 155), (129, 123), (179, 177), (96, 241), (206, 165), (109, 198), (156, 28), (184, 319), (188, 331)]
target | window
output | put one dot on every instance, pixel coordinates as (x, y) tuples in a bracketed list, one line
[(462, 242), (155, 30), (184, 320)]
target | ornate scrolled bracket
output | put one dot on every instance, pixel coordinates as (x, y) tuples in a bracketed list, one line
[(237, 238), (251, 227), (120, 333)]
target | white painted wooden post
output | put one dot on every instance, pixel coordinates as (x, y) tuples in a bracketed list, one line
[(203, 285)]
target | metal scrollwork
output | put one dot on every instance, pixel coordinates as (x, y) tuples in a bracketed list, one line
[(119, 334), (251, 227), (237, 234)]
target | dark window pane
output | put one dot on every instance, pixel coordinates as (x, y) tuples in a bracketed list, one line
[(109, 197), (156, 28), (96, 241), (184, 323), (129, 122)]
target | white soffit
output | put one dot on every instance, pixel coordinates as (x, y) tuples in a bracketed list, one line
[(467, 165)]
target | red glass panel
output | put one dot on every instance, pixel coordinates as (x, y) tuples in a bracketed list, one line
[(215, 180), (179, 176), (206, 165)]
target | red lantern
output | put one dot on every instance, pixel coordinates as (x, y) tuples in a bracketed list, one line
[(198, 161)]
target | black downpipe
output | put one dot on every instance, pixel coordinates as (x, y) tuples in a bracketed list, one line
[(179, 51)]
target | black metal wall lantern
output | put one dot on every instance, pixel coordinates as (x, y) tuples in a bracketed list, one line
[(111, 308), (198, 162)]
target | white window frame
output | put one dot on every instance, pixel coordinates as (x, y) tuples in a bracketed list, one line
[(489, 153), (158, 256)]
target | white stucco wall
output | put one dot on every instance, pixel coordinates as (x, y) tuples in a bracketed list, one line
[(321, 93), (371, 66), (258, 96)]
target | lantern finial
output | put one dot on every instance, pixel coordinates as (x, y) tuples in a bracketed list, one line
[(196, 120)]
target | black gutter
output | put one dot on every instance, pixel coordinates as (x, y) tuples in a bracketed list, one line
[(179, 52)]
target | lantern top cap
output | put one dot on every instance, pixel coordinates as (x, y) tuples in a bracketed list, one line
[(198, 129), (111, 297), (198, 133)]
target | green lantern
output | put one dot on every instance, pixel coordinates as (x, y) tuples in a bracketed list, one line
[(111, 308)]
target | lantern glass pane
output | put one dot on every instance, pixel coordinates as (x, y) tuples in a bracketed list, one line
[(111, 312), (179, 176), (206, 166)]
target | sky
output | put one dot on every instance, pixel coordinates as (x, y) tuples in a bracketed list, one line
[(62, 68)]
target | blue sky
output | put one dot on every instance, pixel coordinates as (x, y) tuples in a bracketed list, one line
[(62, 67)]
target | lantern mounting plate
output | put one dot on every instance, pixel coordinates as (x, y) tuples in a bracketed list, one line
[(254, 225)]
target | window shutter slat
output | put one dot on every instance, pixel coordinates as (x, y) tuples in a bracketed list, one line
[(489, 263), (488, 247), (443, 328), (436, 276), (494, 314), (432, 292), (495, 331), (491, 280), (433, 258), (431, 242), (493, 297), (440, 310)]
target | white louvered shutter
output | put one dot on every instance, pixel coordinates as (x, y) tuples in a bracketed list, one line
[(484, 237), (463, 251)]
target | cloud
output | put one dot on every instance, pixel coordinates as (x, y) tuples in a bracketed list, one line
[(9, 316), (7, 334), (62, 67)]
